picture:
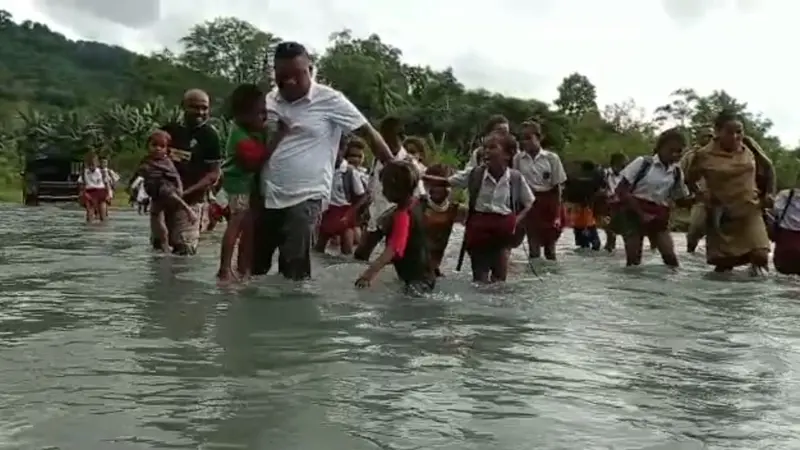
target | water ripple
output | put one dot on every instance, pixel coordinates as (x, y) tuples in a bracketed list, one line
[(106, 345)]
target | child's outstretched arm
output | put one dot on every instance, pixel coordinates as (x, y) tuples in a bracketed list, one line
[(395, 248)]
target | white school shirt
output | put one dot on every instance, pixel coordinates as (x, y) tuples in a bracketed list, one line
[(791, 219), (494, 195), (380, 204), (658, 184), (612, 181), (543, 172), (92, 179), (301, 167), (338, 194)]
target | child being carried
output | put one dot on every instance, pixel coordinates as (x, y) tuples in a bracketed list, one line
[(162, 183)]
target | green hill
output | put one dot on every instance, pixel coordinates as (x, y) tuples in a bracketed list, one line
[(44, 70)]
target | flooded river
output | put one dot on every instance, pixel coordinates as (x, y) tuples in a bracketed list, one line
[(105, 345)]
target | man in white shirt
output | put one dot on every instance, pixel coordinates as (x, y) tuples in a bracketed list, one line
[(299, 174)]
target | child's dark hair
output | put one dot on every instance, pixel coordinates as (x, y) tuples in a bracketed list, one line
[(244, 98), (439, 170), (493, 122), (389, 124), (418, 142), (354, 143), (618, 158), (673, 135), (724, 117), (402, 175), (289, 50), (532, 125), (159, 137), (588, 166), (506, 142)]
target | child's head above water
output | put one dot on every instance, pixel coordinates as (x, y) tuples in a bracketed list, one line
[(436, 192), (530, 136), (416, 147), (158, 144), (499, 149), (670, 145), (354, 151), (399, 180), (618, 161), (248, 107), (91, 161)]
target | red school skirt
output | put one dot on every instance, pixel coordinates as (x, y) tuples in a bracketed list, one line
[(659, 221), (786, 256), (337, 219), (542, 217), (489, 230), (92, 197)]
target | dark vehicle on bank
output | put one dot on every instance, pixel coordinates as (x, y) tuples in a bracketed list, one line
[(50, 176)]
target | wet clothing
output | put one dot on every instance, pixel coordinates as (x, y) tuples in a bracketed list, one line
[(543, 216), (405, 234), (786, 232), (195, 151), (241, 146), (438, 223), (735, 227), (161, 178)]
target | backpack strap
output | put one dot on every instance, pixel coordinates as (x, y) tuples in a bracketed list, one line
[(515, 189), (785, 209), (647, 162), (347, 184), (474, 181)]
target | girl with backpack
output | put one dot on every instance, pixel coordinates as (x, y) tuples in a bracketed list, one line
[(499, 199), (646, 189), (786, 232), (347, 196)]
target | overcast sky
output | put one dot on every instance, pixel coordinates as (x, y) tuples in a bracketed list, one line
[(640, 49)]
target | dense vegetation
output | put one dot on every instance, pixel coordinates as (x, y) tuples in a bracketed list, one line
[(86, 95)]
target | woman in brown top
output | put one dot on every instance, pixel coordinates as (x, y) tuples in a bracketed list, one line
[(736, 233)]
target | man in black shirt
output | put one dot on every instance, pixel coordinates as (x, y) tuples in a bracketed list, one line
[(197, 153)]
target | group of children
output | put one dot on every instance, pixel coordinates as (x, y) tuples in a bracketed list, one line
[(516, 191), (96, 187)]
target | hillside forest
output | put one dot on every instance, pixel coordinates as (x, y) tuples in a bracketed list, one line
[(77, 96)]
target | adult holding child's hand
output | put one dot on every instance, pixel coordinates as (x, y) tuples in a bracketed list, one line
[(298, 177)]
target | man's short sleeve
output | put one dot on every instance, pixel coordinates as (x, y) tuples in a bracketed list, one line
[(344, 113)]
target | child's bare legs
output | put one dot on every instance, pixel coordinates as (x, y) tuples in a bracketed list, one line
[(347, 242), (232, 232), (244, 259), (158, 225)]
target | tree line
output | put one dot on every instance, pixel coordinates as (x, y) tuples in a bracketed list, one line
[(87, 95)]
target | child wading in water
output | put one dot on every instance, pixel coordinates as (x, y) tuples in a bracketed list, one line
[(163, 185), (93, 189), (247, 152), (440, 214), (340, 220), (499, 199), (612, 177), (406, 243), (785, 232), (647, 186)]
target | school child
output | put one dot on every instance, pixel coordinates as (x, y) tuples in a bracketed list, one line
[(545, 175), (247, 152), (499, 199), (613, 175), (139, 195), (406, 244), (354, 155), (582, 191), (785, 232), (648, 186), (93, 189), (163, 185), (341, 217), (440, 214), (391, 129)]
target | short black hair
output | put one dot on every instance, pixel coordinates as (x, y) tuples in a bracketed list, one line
[(671, 135), (244, 97), (290, 50), (402, 174), (618, 158), (495, 120), (725, 116)]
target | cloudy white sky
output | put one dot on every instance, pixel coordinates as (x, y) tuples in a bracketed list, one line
[(640, 49)]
